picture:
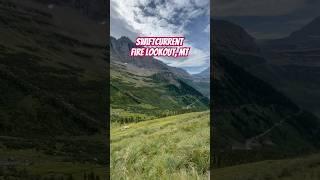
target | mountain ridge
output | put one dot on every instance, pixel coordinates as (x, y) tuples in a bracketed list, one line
[(155, 88), (253, 118), (122, 47)]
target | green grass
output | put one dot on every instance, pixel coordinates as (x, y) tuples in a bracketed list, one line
[(303, 168), (175, 147), (49, 76), (137, 97), (33, 164), (121, 116)]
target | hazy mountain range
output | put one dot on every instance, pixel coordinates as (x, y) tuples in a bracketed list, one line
[(52, 75), (290, 64), (258, 95), (140, 82)]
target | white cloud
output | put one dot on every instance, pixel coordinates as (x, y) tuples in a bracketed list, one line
[(202, 3), (197, 58), (207, 29), (160, 18)]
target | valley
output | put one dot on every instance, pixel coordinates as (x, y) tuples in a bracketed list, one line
[(266, 124), (52, 104), (160, 125), (145, 88)]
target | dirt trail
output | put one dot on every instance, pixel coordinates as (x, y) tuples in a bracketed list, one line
[(254, 141)]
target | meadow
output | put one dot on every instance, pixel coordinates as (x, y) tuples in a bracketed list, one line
[(70, 158), (306, 168), (173, 147)]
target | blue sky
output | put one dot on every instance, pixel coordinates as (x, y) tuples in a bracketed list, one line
[(189, 18)]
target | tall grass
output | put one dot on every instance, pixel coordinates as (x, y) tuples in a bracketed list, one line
[(175, 147), (303, 168)]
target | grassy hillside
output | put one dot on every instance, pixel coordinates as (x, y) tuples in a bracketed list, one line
[(60, 158), (254, 122), (174, 147), (306, 168), (52, 75), (52, 84), (159, 129), (259, 130), (139, 94)]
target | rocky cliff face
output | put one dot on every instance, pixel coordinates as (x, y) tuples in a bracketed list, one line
[(252, 116), (232, 37), (121, 48)]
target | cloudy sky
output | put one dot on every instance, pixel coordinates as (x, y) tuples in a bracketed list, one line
[(189, 18), (267, 18)]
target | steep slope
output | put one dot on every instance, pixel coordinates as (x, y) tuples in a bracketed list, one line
[(290, 64), (201, 82), (232, 37), (156, 103), (296, 61), (306, 168), (254, 121), (205, 74), (175, 147), (306, 38), (311, 30), (120, 49), (48, 70), (52, 104), (147, 88), (233, 41)]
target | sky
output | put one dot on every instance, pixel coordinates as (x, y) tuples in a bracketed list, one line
[(267, 19), (189, 18)]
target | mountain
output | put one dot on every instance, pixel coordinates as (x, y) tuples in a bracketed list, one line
[(306, 38), (48, 65), (254, 121), (205, 74), (53, 91), (234, 42), (296, 61), (121, 48), (160, 105), (304, 43), (146, 88), (201, 82), (232, 37), (289, 64), (252, 117), (311, 30)]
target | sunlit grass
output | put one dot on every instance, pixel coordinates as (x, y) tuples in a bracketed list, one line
[(175, 147)]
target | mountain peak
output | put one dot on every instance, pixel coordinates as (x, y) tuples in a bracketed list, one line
[(125, 39), (310, 30), (121, 48), (233, 37), (203, 74)]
